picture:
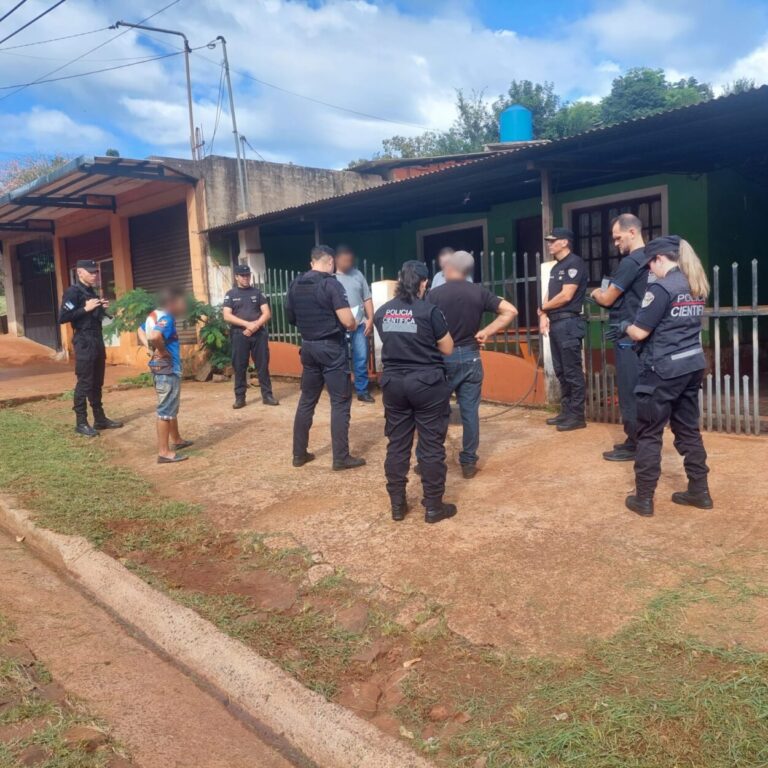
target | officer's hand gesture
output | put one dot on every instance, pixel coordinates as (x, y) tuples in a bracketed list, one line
[(91, 304)]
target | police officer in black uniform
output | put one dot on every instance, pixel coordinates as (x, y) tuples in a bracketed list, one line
[(671, 369), (247, 311), (85, 310), (561, 317), (317, 304), (623, 294), (416, 393)]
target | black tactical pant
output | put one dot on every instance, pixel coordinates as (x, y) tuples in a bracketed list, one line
[(565, 337), (247, 348), (627, 371), (676, 401), (416, 400), (90, 362), (326, 363)]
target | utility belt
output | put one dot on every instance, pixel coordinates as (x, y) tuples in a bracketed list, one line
[(90, 333), (554, 317), (339, 338)]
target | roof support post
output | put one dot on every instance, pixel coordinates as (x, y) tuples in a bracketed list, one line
[(318, 233), (552, 388), (546, 211)]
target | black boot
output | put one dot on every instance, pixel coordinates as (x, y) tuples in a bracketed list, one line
[(300, 461), (84, 428), (351, 462), (399, 509), (239, 402), (555, 420), (442, 511), (100, 420), (269, 400), (689, 498), (641, 505)]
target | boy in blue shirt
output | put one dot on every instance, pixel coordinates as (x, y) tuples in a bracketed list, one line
[(158, 334)]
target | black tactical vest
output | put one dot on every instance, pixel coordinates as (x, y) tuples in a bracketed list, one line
[(674, 348), (315, 317)]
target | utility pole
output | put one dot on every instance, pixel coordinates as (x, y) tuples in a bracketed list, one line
[(187, 51), (240, 162), (245, 169)]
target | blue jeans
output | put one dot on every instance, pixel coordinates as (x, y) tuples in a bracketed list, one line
[(359, 343), (465, 375)]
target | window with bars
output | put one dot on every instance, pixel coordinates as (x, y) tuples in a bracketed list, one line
[(592, 228)]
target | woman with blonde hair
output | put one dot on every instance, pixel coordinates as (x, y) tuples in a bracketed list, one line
[(672, 365)]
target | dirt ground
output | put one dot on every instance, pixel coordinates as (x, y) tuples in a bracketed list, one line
[(542, 557), (29, 370)]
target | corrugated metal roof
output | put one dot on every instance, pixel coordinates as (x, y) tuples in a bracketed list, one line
[(639, 129)]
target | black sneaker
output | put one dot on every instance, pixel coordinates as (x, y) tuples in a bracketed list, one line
[(365, 397), (239, 403), (86, 430), (270, 400), (619, 454), (642, 506), (468, 471), (701, 499), (399, 510), (625, 445), (300, 461), (443, 512), (555, 420), (351, 462), (570, 425)]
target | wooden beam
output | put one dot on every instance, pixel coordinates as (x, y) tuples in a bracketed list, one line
[(547, 220)]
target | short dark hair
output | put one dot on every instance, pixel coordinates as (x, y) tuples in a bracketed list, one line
[(170, 294), (344, 248), (321, 252), (627, 221)]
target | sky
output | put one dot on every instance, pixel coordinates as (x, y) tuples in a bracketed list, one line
[(322, 82)]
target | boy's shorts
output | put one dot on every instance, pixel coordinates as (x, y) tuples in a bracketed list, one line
[(168, 388)]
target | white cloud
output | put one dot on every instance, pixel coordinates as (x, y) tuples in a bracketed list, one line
[(753, 66), (51, 130)]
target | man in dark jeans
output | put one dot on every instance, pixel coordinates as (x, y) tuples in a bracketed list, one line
[(464, 304)]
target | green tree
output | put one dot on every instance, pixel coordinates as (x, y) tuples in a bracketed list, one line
[(740, 85), (572, 119), (540, 98), (112, 153), (18, 171)]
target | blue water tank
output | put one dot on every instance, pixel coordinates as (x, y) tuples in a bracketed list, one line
[(516, 124)]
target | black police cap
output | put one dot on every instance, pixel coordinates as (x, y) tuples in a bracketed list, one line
[(668, 245), (561, 233), (242, 269), (87, 264), (419, 267)]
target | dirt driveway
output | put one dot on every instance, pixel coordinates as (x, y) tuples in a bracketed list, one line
[(542, 557)]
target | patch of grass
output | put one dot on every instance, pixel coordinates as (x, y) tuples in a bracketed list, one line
[(143, 379), (72, 488)]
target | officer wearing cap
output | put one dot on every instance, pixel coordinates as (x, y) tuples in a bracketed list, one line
[(672, 365), (622, 295), (415, 339), (317, 305), (247, 311), (560, 316), (85, 310)]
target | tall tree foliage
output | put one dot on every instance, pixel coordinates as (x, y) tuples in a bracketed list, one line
[(18, 171), (639, 92)]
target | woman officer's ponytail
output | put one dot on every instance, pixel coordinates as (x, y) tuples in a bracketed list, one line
[(691, 266)]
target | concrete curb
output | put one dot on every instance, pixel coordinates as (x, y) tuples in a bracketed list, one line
[(326, 733)]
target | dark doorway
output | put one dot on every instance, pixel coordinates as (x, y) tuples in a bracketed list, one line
[(529, 243), (38, 288), (469, 239)]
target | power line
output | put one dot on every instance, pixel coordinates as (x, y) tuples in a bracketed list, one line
[(54, 39), (218, 110), (91, 72), (32, 21), (87, 53), (255, 151), (15, 7)]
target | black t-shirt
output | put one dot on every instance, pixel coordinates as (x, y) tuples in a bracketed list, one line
[(409, 334), (463, 305), (568, 271), (245, 303), (653, 308), (631, 276)]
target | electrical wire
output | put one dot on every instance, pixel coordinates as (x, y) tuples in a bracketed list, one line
[(91, 72), (15, 8), (31, 21), (87, 53), (520, 400), (255, 151), (54, 39), (218, 110)]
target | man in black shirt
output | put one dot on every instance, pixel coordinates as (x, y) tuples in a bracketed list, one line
[(247, 311), (561, 317), (82, 307), (317, 305), (623, 295), (464, 304)]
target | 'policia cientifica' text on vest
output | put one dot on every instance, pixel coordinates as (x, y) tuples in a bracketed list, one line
[(674, 348), (315, 319)]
